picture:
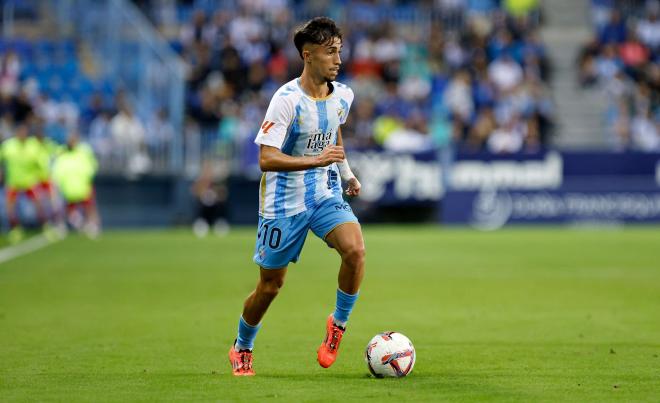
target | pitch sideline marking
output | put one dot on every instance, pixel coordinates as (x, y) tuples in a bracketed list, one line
[(28, 246)]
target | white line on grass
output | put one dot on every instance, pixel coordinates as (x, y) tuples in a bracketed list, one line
[(28, 246)]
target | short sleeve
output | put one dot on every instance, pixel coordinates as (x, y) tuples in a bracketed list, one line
[(346, 101), (276, 123)]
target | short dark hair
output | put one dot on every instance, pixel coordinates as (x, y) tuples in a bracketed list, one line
[(319, 31)]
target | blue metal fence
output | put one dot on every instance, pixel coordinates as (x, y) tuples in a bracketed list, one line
[(138, 62)]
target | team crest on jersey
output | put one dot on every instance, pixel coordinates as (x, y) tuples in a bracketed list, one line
[(340, 112)]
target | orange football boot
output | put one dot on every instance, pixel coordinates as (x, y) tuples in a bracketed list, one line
[(327, 353), (241, 362)]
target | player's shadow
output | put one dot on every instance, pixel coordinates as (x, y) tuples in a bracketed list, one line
[(365, 376)]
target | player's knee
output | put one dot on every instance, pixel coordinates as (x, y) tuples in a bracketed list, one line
[(271, 287), (354, 256)]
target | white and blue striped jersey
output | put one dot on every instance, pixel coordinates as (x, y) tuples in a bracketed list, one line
[(300, 125)]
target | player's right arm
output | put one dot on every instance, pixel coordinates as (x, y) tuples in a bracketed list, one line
[(272, 159), (279, 118)]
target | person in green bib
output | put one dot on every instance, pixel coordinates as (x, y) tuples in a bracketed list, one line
[(73, 173), (47, 149), (19, 155)]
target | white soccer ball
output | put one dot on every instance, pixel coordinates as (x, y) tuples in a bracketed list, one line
[(390, 354)]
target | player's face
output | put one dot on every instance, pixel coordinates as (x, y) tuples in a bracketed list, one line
[(325, 59), (22, 132), (72, 141)]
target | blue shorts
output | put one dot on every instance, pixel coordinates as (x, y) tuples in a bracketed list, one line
[(280, 240)]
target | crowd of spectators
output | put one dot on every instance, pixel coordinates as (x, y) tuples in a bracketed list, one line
[(470, 74), (118, 136), (58, 107), (623, 58), (427, 74)]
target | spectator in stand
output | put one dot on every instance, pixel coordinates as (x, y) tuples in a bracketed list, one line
[(192, 33), (459, 102), (633, 54), (614, 32), (586, 63), (468, 65), (484, 126), (648, 28), (159, 133), (99, 135), (520, 7), (215, 32), (128, 135), (244, 28), (608, 63), (362, 122), (505, 73), (645, 132), (232, 68), (501, 43), (543, 113), (626, 65), (508, 138), (619, 92), (10, 70), (92, 109), (600, 12)]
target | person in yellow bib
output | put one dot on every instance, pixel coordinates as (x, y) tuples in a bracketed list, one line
[(73, 173), (19, 155), (47, 149)]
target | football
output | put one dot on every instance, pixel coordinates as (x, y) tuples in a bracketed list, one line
[(390, 354)]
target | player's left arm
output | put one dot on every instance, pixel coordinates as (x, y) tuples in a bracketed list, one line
[(354, 185)]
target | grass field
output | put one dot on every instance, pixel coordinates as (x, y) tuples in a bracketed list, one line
[(517, 315)]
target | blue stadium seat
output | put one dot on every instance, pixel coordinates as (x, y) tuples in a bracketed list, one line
[(45, 48)]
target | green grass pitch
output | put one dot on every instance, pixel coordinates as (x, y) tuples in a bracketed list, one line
[(522, 314)]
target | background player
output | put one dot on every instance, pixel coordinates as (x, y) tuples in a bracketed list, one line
[(73, 172), (300, 150), (47, 149), (20, 156)]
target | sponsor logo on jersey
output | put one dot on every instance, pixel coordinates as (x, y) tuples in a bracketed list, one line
[(266, 126), (317, 142)]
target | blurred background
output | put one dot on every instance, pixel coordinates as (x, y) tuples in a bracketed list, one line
[(468, 112)]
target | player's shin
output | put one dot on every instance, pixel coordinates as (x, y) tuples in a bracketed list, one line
[(343, 307), (246, 335)]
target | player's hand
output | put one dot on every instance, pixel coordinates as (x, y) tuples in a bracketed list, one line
[(330, 155), (353, 187)]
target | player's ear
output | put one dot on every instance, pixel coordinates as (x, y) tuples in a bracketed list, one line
[(307, 53)]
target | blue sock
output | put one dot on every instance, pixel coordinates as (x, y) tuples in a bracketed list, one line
[(246, 335), (344, 306)]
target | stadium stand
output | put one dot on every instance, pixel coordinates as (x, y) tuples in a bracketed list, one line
[(159, 87), (481, 82), (622, 59)]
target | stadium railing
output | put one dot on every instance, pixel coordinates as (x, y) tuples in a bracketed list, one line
[(131, 53)]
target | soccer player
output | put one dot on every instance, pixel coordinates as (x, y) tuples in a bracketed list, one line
[(20, 155), (73, 173), (300, 154), (46, 151)]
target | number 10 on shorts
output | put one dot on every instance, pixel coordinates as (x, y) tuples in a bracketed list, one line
[(270, 235)]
